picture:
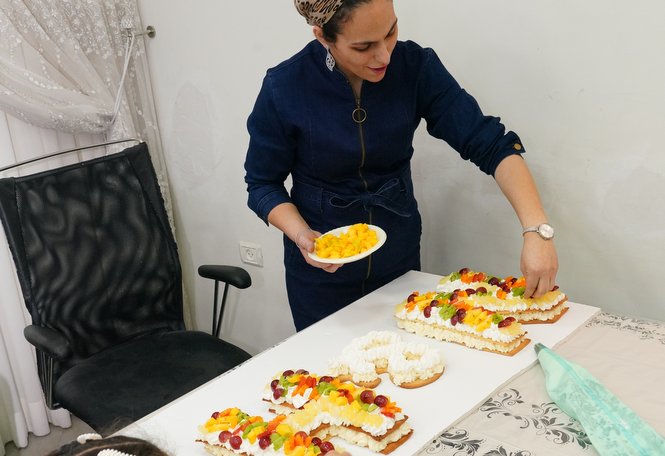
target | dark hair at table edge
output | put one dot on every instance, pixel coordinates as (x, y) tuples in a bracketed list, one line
[(130, 445)]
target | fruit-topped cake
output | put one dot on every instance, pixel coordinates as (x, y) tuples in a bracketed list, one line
[(409, 365), (326, 406), (505, 296), (233, 432), (451, 317)]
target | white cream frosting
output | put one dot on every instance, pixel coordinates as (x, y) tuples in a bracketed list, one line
[(492, 333), (385, 350), (212, 439), (517, 305), (510, 303), (447, 286), (326, 411), (311, 414), (297, 400)]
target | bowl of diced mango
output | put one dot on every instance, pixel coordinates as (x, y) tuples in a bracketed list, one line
[(348, 243)]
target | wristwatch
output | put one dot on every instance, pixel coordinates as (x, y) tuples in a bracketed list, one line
[(544, 230)]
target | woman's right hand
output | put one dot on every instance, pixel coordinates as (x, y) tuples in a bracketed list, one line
[(286, 217), (305, 242)]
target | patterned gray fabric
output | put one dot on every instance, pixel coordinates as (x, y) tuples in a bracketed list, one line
[(521, 420)]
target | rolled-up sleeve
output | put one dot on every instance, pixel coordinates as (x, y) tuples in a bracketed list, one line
[(455, 116), (270, 155)]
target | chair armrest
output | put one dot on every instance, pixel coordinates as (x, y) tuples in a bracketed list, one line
[(48, 341), (232, 275)]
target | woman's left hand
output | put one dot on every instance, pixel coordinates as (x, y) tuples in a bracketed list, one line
[(539, 265)]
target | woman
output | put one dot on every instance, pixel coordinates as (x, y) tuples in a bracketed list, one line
[(339, 117)]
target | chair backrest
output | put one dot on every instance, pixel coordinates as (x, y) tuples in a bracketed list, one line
[(94, 251)]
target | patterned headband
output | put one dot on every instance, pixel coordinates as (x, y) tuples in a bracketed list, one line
[(317, 12)]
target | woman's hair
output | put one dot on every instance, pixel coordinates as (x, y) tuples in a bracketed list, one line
[(332, 28), (129, 445)]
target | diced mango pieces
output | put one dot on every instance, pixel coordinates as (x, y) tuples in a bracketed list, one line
[(357, 239)]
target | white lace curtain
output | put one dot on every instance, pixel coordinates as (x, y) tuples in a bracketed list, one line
[(61, 64)]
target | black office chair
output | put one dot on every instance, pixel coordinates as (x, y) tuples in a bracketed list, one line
[(99, 271)]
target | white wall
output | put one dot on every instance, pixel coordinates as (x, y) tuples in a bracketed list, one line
[(581, 82)]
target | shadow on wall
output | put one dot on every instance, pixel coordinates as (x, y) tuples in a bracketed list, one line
[(190, 146)]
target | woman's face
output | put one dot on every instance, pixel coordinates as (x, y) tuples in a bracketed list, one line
[(366, 41)]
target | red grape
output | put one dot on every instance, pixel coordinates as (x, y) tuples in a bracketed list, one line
[(367, 396), (481, 290), (235, 442), (287, 373), (326, 378), (326, 446), (316, 441), (277, 393), (302, 371), (274, 384), (215, 415), (464, 270), (264, 442), (381, 400), (470, 291), (224, 436), (453, 320), (427, 311)]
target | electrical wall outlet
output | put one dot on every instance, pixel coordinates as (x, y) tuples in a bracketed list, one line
[(251, 253)]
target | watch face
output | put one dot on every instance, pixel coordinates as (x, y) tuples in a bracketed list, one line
[(546, 231)]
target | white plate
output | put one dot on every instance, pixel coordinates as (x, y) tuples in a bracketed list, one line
[(381, 239)]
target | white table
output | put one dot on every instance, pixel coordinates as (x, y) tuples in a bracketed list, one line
[(469, 379)]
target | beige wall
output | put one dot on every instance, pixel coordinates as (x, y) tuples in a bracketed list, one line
[(581, 82)]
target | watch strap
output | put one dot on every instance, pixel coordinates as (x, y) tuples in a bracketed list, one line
[(530, 229), (544, 230)]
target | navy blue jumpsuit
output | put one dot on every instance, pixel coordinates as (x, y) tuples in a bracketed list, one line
[(346, 172)]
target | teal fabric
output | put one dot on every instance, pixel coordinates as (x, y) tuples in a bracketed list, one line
[(613, 428)]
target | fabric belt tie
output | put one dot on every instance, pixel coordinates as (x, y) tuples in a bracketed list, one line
[(384, 197)]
